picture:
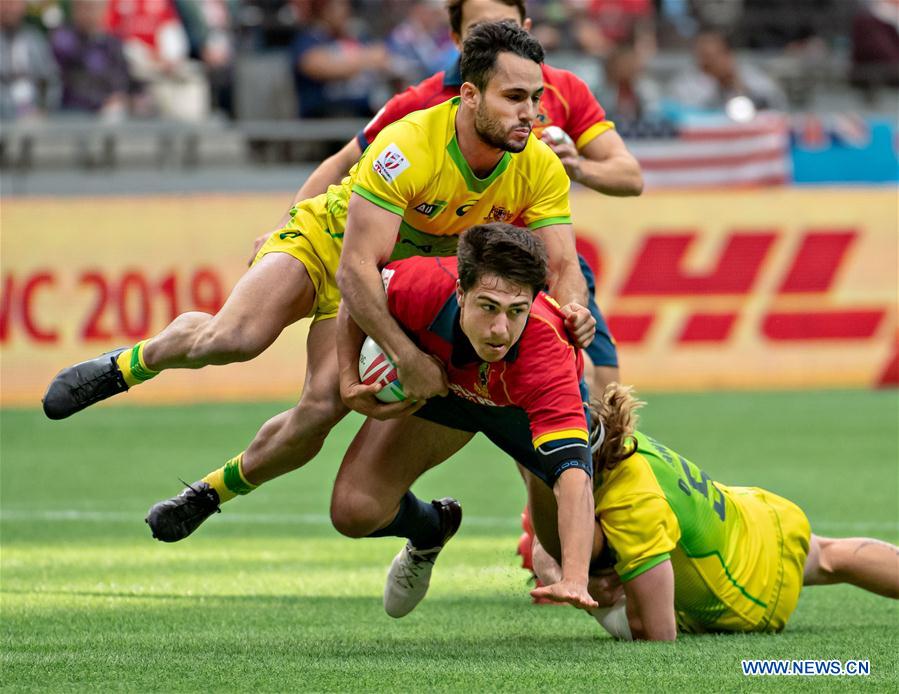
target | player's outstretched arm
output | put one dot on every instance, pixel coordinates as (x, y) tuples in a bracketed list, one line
[(604, 587), (650, 604), (368, 242), (574, 496)]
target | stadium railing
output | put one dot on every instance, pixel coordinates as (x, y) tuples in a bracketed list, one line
[(92, 144)]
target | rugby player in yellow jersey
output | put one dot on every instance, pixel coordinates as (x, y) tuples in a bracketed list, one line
[(594, 154), (697, 556), (425, 179)]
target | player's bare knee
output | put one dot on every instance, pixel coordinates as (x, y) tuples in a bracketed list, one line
[(352, 513), (320, 410), (819, 565), (218, 343)]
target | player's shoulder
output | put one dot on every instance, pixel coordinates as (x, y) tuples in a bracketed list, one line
[(428, 122), (418, 96), (418, 288), (547, 318), (632, 478), (422, 274), (545, 349), (560, 78), (430, 88), (574, 91)]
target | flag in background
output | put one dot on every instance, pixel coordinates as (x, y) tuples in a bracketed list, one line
[(715, 151)]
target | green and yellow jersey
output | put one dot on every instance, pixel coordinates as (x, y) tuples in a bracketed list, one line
[(737, 552), (415, 169)]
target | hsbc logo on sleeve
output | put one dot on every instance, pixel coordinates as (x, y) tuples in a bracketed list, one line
[(390, 163)]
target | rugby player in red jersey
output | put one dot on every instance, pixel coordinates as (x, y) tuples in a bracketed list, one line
[(513, 374)]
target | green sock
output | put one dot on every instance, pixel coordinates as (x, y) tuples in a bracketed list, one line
[(131, 364), (229, 481)]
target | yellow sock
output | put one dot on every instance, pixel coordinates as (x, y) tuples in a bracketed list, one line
[(131, 364), (229, 481)]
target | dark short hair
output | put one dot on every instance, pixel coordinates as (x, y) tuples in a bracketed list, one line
[(454, 8), (504, 250), (486, 41)]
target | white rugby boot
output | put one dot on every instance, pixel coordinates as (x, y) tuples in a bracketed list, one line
[(410, 572)]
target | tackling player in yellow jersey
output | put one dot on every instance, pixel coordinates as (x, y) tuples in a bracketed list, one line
[(594, 154), (477, 155), (698, 556)]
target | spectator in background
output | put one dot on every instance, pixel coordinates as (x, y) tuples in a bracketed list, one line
[(421, 44), (601, 25), (677, 23), (875, 44), (29, 80), (94, 70), (718, 78), (628, 93), (723, 15), (157, 48), (210, 31), (334, 71), (774, 25)]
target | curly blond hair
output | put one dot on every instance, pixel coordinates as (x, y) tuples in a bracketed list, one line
[(617, 410)]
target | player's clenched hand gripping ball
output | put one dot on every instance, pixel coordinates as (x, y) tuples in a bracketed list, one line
[(376, 367)]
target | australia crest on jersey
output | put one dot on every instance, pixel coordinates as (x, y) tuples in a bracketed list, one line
[(498, 214)]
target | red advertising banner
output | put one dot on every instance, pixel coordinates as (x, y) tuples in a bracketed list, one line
[(82, 276), (784, 288)]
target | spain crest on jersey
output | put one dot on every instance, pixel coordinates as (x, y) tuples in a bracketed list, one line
[(482, 387)]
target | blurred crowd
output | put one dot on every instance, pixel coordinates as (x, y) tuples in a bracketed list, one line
[(179, 59)]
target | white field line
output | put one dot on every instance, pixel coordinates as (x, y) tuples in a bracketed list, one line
[(499, 522)]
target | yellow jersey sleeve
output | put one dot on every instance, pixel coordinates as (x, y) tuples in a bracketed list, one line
[(641, 529), (395, 168), (636, 518), (550, 183)]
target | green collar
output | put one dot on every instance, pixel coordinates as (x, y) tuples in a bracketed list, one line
[(474, 184)]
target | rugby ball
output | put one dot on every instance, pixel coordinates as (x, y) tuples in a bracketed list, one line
[(556, 135), (375, 367), (614, 620)]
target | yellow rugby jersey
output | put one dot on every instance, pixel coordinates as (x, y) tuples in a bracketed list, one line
[(737, 553), (415, 169)]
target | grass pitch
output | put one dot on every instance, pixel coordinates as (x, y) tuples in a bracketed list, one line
[(268, 597)]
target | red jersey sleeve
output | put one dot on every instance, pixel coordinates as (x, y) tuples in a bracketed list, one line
[(425, 94), (586, 119), (547, 379)]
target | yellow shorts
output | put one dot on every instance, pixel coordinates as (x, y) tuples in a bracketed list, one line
[(785, 536), (307, 238), (772, 535), (795, 539)]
